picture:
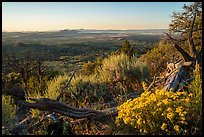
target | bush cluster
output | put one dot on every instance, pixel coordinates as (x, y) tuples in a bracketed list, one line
[(164, 112), (8, 110), (158, 57)]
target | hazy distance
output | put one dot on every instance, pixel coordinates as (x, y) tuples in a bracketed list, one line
[(53, 16)]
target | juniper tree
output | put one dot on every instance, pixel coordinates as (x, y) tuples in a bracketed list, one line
[(126, 48), (181, 23)]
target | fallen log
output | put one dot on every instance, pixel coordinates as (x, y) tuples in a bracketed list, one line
[(50, 105)]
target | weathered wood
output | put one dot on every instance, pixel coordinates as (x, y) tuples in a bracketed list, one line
[(185, 55), (178, 72), (153, 82), (174, 79), (182, 70), (46, 104)]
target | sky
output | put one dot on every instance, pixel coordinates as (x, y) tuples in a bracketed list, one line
[(50, 16)]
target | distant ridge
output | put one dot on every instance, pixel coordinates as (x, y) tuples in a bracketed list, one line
[(82, 30)]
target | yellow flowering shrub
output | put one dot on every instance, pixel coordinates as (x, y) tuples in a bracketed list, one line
[(161, 112), (164, 112)]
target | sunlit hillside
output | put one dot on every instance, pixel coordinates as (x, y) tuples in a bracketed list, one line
[(96, 81)]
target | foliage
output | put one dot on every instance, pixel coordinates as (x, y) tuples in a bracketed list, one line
[(52, 90), (163, 51), (181, 22), (195, 88), (50, 74), (11, 82), (10, 79), (119, 68), (164, 112), (91, 67), (37, 85), (117, 75), (196, 85), (125, 49), (13, 77), (8, 110), (158, 57), (106, 79), (55, 85)]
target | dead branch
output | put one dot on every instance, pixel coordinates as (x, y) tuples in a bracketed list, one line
[(66, 85), (185, 55), (153, 82), (81, 115), (45, 104)]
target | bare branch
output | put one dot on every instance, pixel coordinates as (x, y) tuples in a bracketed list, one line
[(46, 104), (153, 82), (66, 85), (185, 55)]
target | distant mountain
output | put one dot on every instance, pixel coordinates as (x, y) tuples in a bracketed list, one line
[(43, 34), (88, 30), (77, 32), (156, 31)]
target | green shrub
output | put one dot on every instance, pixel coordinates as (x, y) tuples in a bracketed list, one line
[(118, 68), (52, 73), (125, 49), (52, 88), (8, 110), (91, 67), (117, 75), (13, 77), (37, 85), (195, 88), (158, 57), (52, 91)]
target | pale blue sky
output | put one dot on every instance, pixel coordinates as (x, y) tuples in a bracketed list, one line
[(43, 16)]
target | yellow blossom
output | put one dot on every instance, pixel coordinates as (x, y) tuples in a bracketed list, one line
[(190, 95), (183, 114), (187, 100), (127, 120), (146, 112), (164, 126), (145, 131), (170, 116), (165, 101), (184, 122), (159, 104), (176, 128), (169, 109), (139, 121), (144, 85), (183, 118), (179, 109)]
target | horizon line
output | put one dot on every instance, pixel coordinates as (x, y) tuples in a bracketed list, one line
[(85, 29)]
